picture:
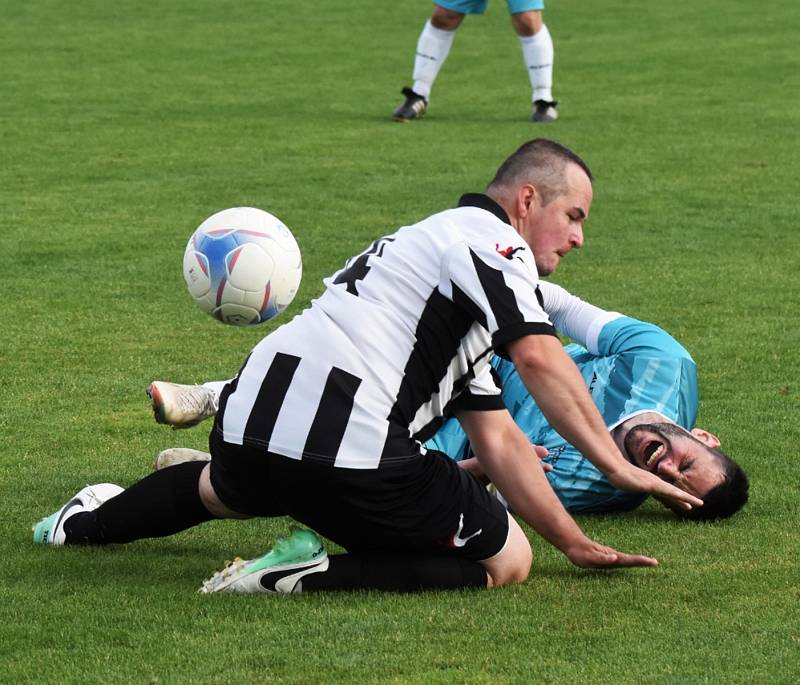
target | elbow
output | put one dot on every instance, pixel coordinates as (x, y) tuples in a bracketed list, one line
[(533, 354)]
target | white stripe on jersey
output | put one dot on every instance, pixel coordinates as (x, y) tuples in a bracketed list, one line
[(294, 419)]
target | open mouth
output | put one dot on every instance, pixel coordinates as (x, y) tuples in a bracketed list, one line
[(653, 452)]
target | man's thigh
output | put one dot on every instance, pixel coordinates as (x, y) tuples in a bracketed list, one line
[(428, 504), (242, 478)]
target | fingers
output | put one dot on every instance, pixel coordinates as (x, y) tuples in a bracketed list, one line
[(634, 560), (681, 498), (541, 452), (594, 555)]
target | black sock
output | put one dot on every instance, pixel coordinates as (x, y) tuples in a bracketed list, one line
[(163, 503), (394, 573)]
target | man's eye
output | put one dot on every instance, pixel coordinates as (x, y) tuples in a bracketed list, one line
[(686, 466)]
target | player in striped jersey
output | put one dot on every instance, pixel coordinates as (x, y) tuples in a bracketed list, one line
[(325, 420), (641, 379)]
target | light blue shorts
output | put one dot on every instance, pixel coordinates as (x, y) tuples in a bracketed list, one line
[(479, 6)]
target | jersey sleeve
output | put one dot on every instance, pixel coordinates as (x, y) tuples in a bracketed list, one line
[(498, 285), (481, 394)]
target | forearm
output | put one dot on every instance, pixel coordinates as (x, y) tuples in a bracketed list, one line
[(516, 473), (560, 392)]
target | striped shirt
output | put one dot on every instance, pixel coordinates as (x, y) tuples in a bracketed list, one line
[(401, 337)]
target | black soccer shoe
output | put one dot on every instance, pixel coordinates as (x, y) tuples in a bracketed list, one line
[(544, 111), (414, 107)]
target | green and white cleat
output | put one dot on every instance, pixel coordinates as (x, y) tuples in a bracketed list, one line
[(181, 406), (279, 571), (50, 530)]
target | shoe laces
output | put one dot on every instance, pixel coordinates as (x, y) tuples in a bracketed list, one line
[(92, 500), (195, 400), (231, 569)]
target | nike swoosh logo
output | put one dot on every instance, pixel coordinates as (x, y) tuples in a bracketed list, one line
[(75, 502), (458, 541)]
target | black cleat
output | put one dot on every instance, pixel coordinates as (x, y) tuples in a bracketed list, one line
[(544, 111), (414, 107)]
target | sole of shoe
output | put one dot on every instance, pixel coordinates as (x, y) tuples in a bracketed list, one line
[(157, 402), (178, 455)]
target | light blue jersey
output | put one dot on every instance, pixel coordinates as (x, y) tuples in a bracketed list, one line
[(639, 368)]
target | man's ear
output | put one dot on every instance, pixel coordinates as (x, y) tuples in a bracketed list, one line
[(527, 197), (706, 438)]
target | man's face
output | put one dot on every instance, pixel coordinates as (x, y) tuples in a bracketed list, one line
[(554, 229), (676, 456)]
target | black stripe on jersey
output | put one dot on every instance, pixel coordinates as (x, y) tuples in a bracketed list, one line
[(468, 400), (508, 334), (333, 413), (465, 302), (227, 390), (502, 299), (539, 297), (440, 328), (269, 400)]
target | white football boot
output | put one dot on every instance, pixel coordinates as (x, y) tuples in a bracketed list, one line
[(279, 571), (50, 530), (181, 406), (178, 455)]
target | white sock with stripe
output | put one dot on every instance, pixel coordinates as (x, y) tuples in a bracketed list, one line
[(433, 47), (537, 52)]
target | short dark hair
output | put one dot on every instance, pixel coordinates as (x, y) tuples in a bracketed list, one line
[(725, 499), (541, 162)]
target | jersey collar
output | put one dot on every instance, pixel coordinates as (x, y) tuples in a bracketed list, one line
[(484, 202)]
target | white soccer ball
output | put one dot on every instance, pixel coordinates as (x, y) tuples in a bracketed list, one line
[(242, 266)]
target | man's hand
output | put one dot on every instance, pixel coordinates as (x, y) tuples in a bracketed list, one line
[(632, 478), (590, 554)]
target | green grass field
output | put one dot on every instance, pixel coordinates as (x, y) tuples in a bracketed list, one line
[(123, 125)]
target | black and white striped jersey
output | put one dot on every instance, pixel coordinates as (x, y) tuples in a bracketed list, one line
[(401, 337)]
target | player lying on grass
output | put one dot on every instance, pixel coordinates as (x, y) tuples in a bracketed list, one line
[(326, 418), (643, 382)]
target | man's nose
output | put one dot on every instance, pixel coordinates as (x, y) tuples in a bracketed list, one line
[(667, 469), (576, 240)]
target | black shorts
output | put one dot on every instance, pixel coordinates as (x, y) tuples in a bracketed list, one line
[(426, 504)]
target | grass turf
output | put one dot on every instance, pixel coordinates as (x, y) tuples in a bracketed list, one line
[(124, 125)]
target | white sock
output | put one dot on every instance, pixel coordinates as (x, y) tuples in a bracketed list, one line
[(537, 52), (216, 388), (432, 49)]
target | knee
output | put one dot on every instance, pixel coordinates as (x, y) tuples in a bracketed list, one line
[(445, 20), (527, 24), (518, 571), (515, 565)]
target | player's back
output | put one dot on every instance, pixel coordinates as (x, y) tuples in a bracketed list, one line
[(371, 366)]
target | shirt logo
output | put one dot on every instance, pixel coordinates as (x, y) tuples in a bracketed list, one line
[(508, 252), (457, 540)]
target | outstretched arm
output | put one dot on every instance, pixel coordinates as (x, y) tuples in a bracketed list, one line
[(509, 460), (558, 388)]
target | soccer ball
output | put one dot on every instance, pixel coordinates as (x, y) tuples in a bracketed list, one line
[(242, 266)]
